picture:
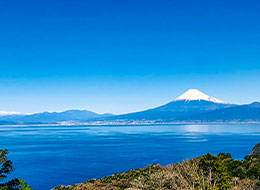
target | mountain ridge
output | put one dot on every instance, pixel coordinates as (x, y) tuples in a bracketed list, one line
[(193, 106)]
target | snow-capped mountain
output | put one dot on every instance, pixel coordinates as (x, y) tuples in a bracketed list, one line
[(190, 103), (194, 94)]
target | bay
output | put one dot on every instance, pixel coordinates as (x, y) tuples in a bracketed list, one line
[(47, 156)]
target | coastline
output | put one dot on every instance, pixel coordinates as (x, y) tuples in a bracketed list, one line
[(128, 124)]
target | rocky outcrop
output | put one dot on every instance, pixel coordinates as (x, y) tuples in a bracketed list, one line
[(255, 151)]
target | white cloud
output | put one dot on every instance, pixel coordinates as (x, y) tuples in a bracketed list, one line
[(2, 113)]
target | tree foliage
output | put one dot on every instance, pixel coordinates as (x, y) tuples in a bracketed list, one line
[(6, 167)]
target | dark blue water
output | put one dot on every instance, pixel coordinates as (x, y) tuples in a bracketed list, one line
[(49, 156)]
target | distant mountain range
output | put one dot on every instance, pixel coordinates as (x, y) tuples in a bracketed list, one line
[(192, 106), (52, 118)]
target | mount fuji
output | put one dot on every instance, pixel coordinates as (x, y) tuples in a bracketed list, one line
[(192, 102)]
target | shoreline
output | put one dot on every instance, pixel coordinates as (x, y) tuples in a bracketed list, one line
[(125, 124)]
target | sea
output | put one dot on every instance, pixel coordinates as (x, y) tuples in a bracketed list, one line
[(48, 156)]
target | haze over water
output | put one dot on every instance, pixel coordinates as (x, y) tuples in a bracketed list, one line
[(49, 156)]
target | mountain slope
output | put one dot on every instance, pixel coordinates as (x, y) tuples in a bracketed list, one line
[(243, 113)]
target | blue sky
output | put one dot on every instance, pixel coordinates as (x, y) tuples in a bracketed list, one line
[(122, 56)]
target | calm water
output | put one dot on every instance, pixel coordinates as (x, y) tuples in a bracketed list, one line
[(49, 156)]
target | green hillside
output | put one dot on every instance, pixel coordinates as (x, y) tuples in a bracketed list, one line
[(207, 172)]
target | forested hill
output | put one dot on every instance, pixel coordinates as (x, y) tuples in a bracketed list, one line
[(219, 172)]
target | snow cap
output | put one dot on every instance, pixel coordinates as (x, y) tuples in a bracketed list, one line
[(194, 94)]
